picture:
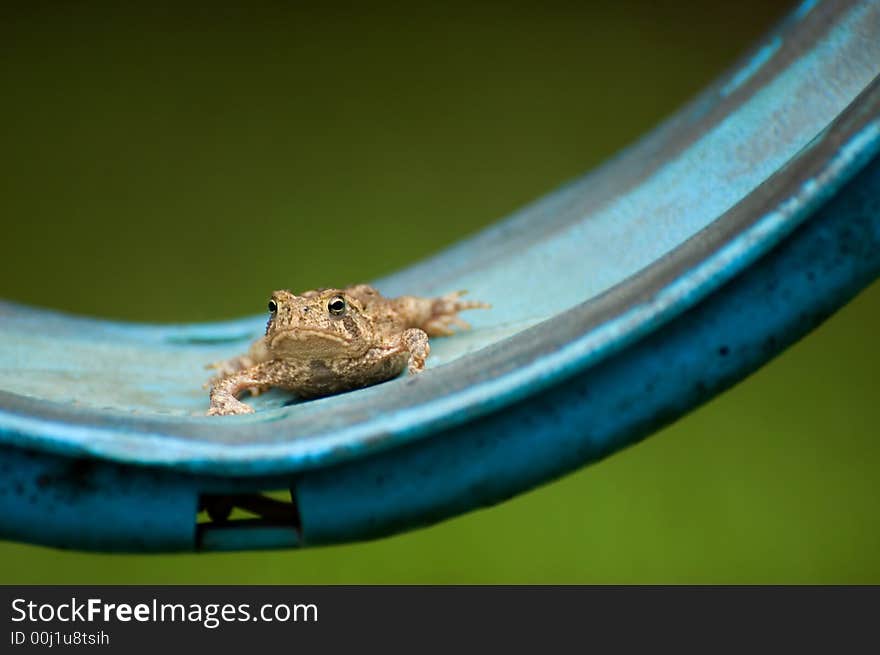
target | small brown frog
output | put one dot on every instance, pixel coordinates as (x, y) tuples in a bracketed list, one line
[(330, 340)]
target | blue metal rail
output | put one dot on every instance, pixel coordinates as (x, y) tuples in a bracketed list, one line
[(621, 301)]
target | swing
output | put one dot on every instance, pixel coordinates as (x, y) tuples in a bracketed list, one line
[(620, 302)]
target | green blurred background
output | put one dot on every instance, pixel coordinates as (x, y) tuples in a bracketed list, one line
[(174, 164)]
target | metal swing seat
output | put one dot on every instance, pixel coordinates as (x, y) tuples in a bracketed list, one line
[(620, 302)]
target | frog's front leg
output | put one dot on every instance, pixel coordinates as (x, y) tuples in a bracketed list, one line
[(415, 342), (225, 391), (257, 354)]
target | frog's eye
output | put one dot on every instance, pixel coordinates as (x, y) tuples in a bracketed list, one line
[(273, 306), (336, 306)]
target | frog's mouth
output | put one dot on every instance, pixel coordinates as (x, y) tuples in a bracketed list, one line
[(309, 341)]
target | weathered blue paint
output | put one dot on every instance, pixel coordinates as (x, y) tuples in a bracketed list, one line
[(93, 505), (618, 402), (652, 260)]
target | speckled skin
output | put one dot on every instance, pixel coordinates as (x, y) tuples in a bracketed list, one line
[(331, 340)]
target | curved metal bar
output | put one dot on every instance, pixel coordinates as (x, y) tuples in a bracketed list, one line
[(655, 258), (624, 398)]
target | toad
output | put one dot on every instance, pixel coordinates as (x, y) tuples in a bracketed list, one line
[(327, 341)]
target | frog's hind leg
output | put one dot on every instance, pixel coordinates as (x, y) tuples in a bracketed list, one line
[(443, 314)]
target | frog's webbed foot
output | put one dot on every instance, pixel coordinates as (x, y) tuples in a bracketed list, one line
[(415, 342), (444, 314)]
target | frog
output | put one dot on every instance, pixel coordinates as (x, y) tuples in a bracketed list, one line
[(328, 341)]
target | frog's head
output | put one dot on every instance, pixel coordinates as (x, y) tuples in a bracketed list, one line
[(319, 324)]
